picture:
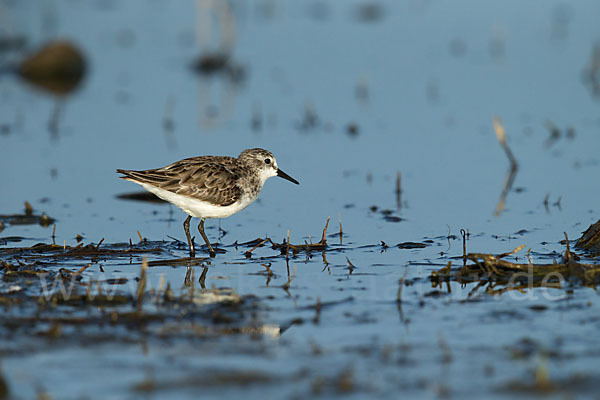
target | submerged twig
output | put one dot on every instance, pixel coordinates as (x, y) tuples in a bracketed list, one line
[(399, 296), (351, 266), (514, 166), (286, 286), (317, 316), (141, 285), (270, 273), (463, 233), (287, 249), (287, 253), (248, 253), (341, 232), (399, 190), (592, 72), (65, 274), (499, 129)]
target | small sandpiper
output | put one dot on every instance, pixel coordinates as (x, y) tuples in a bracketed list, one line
[(210, 186)]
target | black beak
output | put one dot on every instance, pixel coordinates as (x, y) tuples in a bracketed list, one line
[(283, 175)]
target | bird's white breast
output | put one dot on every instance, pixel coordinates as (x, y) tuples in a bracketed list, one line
[(198, 208)]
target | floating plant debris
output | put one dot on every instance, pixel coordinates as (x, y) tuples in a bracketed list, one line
[(499, 275), (28, 218), (590, 240), (411, 245)]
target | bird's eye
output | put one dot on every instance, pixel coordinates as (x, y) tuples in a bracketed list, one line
[(267, 161)]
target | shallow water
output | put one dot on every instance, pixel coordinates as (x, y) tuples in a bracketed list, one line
[(421, 82)]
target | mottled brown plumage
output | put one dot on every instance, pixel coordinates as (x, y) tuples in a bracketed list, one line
[(213, 179)]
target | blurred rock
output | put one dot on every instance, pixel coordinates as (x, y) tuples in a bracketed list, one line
[(369, 12), (57, 67)]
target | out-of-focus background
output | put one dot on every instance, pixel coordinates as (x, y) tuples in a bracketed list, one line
[(383, 110)]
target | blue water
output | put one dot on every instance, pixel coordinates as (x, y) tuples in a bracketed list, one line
[(430, 76)]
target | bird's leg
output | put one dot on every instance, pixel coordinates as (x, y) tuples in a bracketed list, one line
[(186, 227), (201, 229)]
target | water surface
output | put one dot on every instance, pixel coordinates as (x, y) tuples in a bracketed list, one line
[(346, 95)]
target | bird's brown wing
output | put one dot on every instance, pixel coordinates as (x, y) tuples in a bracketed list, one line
[(208, 178)]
